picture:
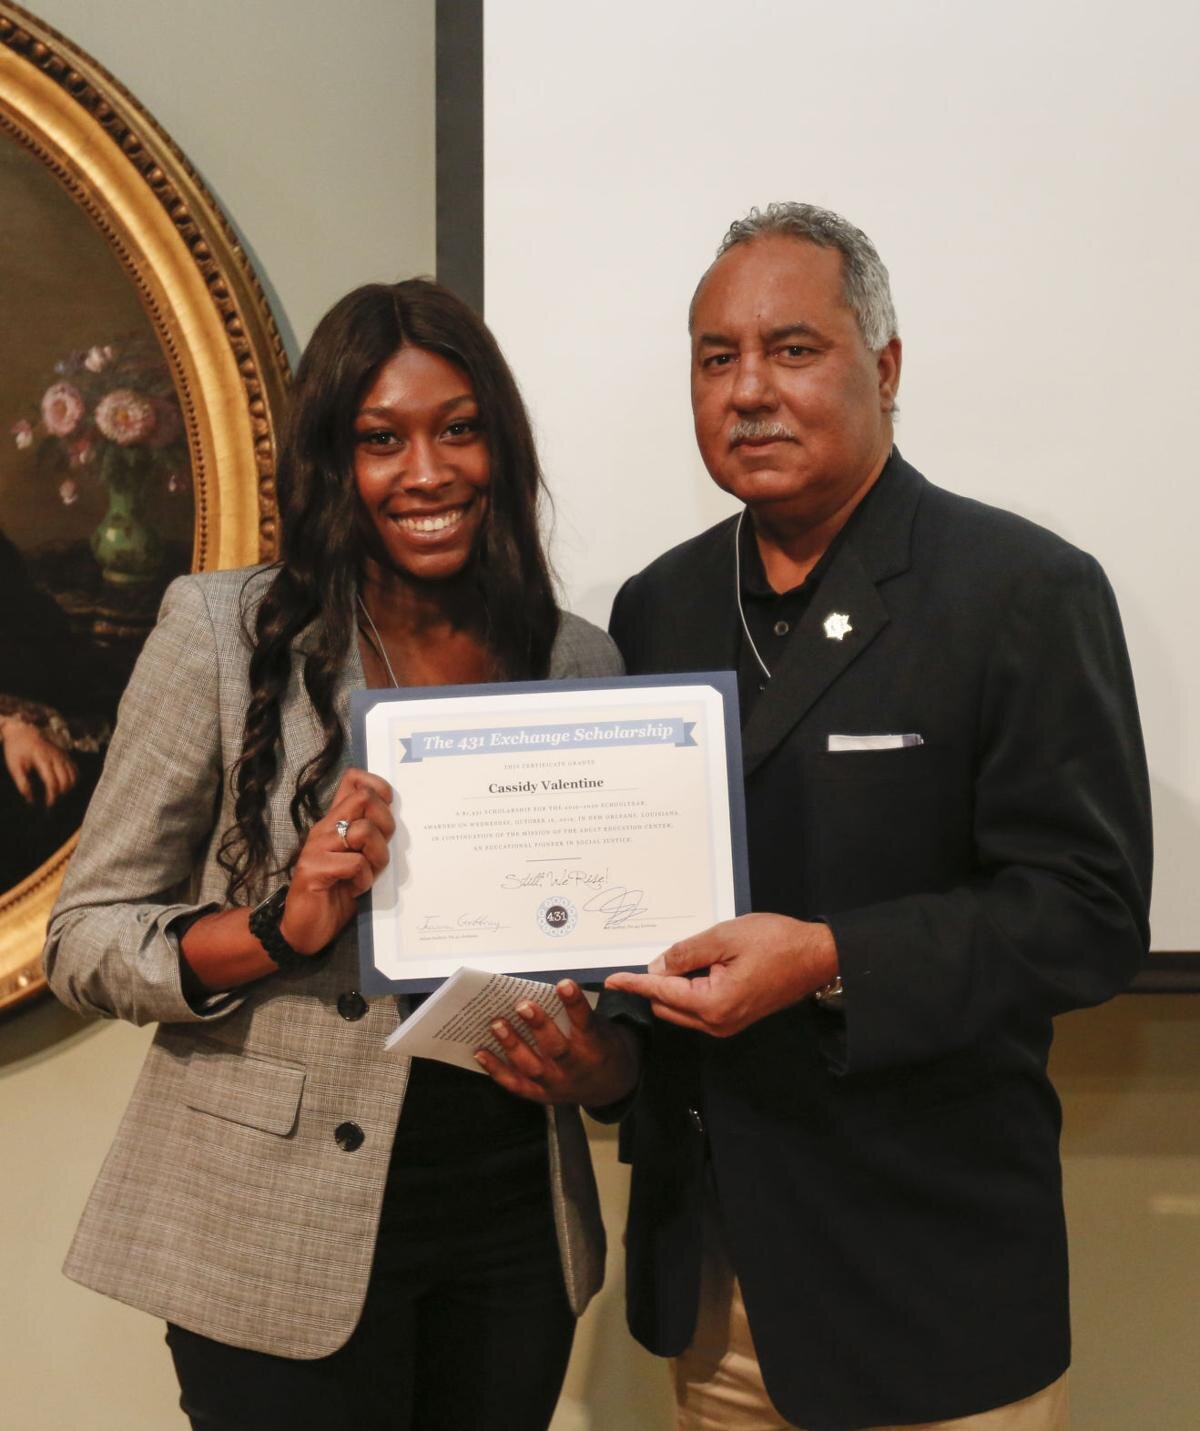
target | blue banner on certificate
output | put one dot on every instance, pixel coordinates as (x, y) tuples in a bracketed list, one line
[(551, 827)]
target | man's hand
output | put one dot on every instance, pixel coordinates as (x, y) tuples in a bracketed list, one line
[(595, 1064), (755, 966), (27, 753)]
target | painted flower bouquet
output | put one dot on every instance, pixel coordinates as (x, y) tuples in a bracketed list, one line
[(111, 415)]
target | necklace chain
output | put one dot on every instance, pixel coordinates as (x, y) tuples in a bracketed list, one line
[(377, 642), (377, 639), (737, 592)]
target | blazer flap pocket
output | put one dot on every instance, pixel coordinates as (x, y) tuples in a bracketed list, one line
[(245, 1088)]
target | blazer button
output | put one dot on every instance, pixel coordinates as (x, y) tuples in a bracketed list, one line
[(351, 1005), (349, 1136), (696, 1120)]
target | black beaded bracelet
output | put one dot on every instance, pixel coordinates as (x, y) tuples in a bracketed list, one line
[(264, 925)]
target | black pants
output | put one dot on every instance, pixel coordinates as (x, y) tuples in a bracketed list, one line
[(466, 1325)]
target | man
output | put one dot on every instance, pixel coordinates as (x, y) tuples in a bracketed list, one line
[(843, 1115)]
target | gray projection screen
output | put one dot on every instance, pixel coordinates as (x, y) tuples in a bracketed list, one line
[(1028, 175)]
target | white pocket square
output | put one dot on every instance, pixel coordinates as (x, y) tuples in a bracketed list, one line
[(872, 742)]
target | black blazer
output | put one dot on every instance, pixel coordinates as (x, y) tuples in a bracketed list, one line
[(889, 1180)]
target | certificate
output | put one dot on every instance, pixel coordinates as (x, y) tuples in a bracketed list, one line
[(551, 827)]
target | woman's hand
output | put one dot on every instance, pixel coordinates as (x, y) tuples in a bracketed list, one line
[(331, 870), (595, 1064), (27, 752), (329, 875)]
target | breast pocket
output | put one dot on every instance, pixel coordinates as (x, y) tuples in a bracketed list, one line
[(885, 823), (244, 1088)]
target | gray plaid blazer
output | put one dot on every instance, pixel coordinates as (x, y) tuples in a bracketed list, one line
[(225, 1204)]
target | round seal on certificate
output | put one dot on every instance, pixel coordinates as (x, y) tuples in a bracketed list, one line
[(556, 916)]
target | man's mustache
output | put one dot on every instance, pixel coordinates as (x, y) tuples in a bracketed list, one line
[(758, 429)]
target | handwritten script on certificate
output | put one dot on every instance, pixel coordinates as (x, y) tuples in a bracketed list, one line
[(581, 830)]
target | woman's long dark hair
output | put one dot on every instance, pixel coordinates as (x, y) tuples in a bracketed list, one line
[(324, 545)]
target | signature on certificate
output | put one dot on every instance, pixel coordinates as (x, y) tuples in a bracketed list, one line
[(477, 923), (618, 904), (554, 879)]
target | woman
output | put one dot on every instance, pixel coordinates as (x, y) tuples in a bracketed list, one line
[(322, 1259)]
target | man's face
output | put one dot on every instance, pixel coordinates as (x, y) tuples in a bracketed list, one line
[(792, 409)]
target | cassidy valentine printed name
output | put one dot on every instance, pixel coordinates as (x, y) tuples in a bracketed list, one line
[(532, 787)]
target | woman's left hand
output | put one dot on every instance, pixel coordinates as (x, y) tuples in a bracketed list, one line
[(595, 1064)]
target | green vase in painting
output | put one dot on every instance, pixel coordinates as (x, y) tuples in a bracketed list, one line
[(125, 544)]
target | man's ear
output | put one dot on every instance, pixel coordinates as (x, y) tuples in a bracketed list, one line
[(888, 360)]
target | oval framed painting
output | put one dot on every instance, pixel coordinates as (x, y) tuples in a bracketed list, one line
[(143, 377)]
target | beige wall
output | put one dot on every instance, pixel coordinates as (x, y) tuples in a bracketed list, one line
[(1129, 1078), (313, 125), (320, 144)]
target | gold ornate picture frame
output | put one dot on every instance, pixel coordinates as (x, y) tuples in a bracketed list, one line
[(221, 367)]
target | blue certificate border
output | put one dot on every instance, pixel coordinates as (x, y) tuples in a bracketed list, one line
[(372, 982)]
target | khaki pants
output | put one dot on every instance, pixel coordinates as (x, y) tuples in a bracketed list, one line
[(718, 1386)]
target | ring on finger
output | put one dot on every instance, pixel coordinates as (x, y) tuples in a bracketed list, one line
[(343, 829)]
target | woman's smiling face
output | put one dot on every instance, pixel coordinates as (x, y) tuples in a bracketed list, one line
[(421, 465)]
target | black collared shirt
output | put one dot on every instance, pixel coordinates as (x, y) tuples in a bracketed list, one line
[(772, 616)]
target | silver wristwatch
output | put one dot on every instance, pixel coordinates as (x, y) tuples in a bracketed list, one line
[(829, 996)]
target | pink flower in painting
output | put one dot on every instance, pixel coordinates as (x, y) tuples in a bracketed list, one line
[(81, 450), (98, 359), (22, 433), (125, 416), (62, 407), (167, 423), (69, 492)]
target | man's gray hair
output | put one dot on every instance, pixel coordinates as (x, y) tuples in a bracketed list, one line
[(865, 287)]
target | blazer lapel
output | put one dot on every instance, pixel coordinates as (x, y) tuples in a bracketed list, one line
[(706, 632), (350, 679), (848, 601), (814, 659), (302, 734)]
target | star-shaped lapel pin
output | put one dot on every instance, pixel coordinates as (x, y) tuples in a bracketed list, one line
[(837, 625)]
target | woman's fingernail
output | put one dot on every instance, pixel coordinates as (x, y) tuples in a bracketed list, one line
[(481, 1060), (525, 1009), (500, 1028)]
